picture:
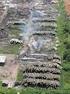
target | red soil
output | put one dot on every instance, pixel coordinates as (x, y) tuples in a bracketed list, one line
[(67, 6)]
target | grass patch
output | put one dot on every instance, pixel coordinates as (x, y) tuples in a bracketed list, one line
[(30, 90), (66, 80), (14, 30), (20, 75), (66, 66), (10, 49), (43, 91), (63, 32)]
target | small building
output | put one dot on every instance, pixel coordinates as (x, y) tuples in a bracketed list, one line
[(8, 83), (16, 41), (2, 60), (54, 1)]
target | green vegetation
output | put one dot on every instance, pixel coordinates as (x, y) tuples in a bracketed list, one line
[(10, 49), (20, 75), (33, 91), (63, 31), (43, 91), (14, 31)]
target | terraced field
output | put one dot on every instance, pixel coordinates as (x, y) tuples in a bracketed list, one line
[(42, 65)]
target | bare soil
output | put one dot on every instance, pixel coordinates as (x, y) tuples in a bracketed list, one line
[(67, 6), (10, 69)]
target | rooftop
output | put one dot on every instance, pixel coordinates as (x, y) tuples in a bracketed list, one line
[(2, 58)]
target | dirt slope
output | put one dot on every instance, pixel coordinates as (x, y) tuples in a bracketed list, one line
[(67, 6)]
